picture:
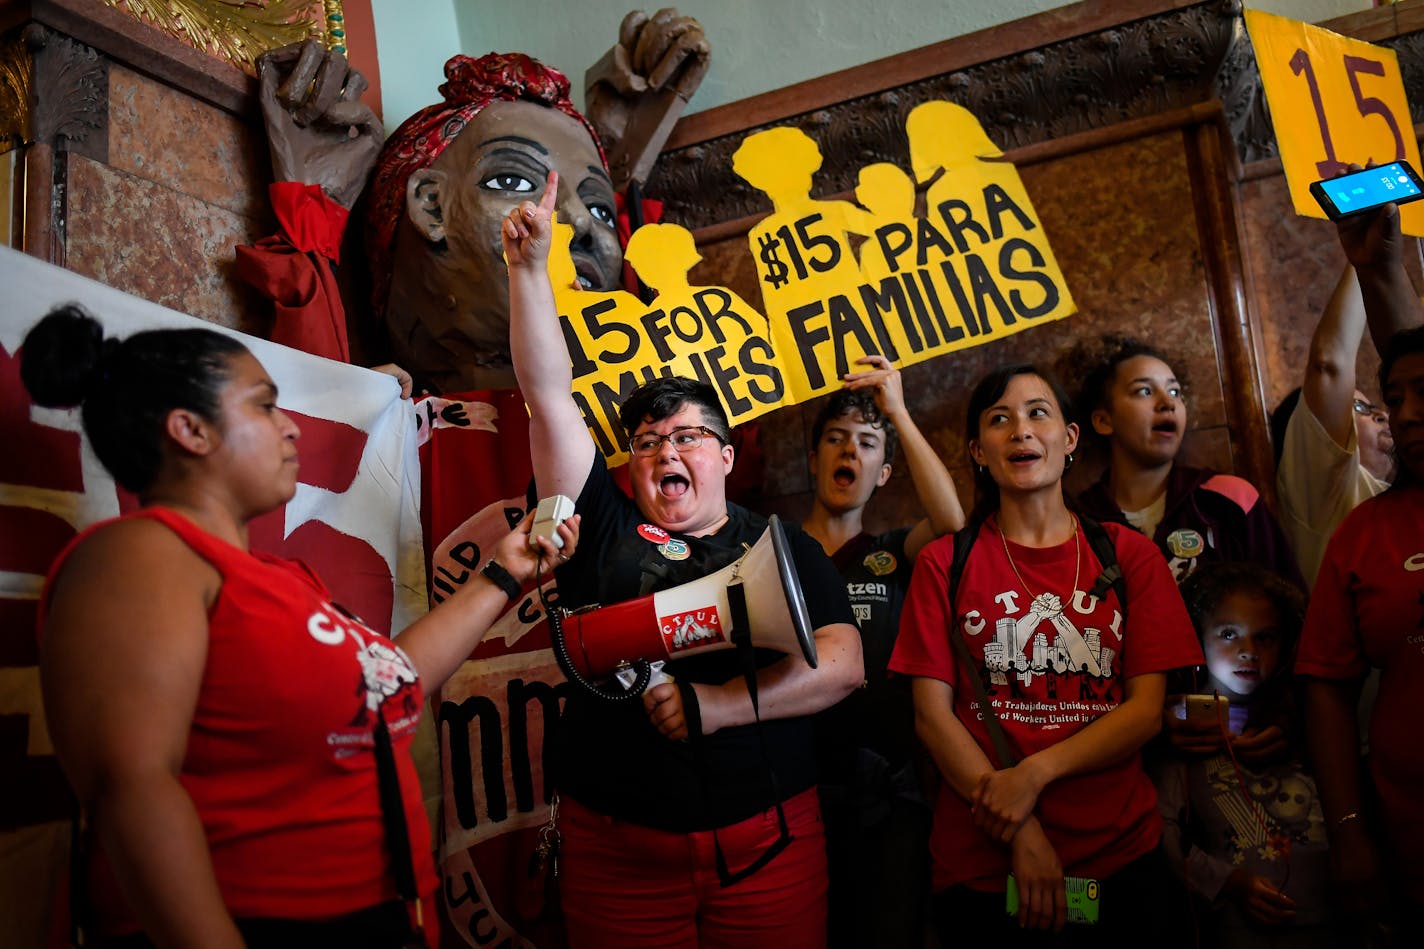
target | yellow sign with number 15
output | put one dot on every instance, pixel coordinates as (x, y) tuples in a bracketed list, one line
[(1334, 100)]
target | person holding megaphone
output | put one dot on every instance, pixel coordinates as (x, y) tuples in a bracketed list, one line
[(691, 818)]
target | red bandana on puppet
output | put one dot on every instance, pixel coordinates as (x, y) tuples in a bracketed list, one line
[(472, 84)]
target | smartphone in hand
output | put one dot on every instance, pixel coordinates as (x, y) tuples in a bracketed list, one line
[(1206, 709), (1360, 191)]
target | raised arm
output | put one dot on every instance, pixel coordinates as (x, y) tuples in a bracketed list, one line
[(1374, 244), (636, 92), (318, 130), (933, 485), (121, 664), (559, 443), (1329, 388)]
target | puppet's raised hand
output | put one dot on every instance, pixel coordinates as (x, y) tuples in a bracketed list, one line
[(666, 50), (637, 90), (318, 130)]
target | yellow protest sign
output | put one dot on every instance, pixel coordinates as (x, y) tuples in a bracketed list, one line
[(976, 267), (616, 342), (839, 279), (1334, 100)]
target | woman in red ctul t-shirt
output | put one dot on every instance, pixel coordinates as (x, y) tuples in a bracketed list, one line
[(1075, 680), (216, 713)]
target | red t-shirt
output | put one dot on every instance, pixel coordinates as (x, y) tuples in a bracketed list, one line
[(1367, 609), (280, 762), (1049, 672)]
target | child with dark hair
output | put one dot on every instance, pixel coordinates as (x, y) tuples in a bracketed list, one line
[(1249, 840), (1133, 400)]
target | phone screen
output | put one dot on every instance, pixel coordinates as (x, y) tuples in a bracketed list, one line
[(1370, 188)]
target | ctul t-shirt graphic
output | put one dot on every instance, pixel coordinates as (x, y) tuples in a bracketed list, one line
[(384, 679)]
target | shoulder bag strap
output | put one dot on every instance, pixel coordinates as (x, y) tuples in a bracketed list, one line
[(1111, 577), (963, 542)]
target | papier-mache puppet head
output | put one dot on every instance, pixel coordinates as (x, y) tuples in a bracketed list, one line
[(445, 180)]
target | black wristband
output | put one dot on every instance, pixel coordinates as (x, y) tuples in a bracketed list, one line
[(500, 577)]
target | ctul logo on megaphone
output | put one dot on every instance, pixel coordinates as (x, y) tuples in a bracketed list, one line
[(690, 629)]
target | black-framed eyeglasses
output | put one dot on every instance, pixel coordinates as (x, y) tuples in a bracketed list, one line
[(1362, 407), (683, 439)]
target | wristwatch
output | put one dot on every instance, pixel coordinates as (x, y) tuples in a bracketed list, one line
[(501, 578)]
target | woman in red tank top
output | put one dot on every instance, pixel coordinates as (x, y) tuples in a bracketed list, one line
[(215, 712)]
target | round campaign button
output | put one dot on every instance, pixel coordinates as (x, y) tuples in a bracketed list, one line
[(675, 549), (1185, 543), (652, 533), (881, 563)]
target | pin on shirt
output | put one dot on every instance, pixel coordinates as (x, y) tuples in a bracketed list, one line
[(1185, 543), (674, 550), (652, 533)]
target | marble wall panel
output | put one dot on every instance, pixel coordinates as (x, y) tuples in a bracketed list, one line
[(159, 244), (1121, 222), (158, 133)]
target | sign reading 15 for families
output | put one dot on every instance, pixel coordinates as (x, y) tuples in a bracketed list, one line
[(1334, 100)]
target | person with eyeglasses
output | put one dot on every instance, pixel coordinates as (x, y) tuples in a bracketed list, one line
[(684, 820), (1333, 446)]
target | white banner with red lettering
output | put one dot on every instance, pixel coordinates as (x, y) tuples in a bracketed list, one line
[(355, 520)]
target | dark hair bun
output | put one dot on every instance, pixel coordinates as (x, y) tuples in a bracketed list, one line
[(62, 357)]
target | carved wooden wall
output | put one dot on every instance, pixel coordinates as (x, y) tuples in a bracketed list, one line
[(1141, 133), (139, 158)]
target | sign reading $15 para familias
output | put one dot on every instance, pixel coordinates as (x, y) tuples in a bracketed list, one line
[(839, 280)]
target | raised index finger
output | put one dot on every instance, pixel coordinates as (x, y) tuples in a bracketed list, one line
[(551, 193)]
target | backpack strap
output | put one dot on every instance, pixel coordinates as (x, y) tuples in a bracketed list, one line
[(963, 542), (1111, 577)]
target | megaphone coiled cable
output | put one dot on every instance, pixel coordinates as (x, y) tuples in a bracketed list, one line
[(555, 616)]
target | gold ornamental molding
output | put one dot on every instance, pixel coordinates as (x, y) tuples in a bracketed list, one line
[(239, 32), (16, 71)]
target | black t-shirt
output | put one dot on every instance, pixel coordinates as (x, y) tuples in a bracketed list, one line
[(880, 716), (607, 755)]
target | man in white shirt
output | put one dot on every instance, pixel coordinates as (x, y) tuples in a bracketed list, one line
[(1333, 447)]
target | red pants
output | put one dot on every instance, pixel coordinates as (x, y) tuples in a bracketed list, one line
[(628, 886)]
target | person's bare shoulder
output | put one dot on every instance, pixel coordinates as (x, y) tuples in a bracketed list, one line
[(138, 557)]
